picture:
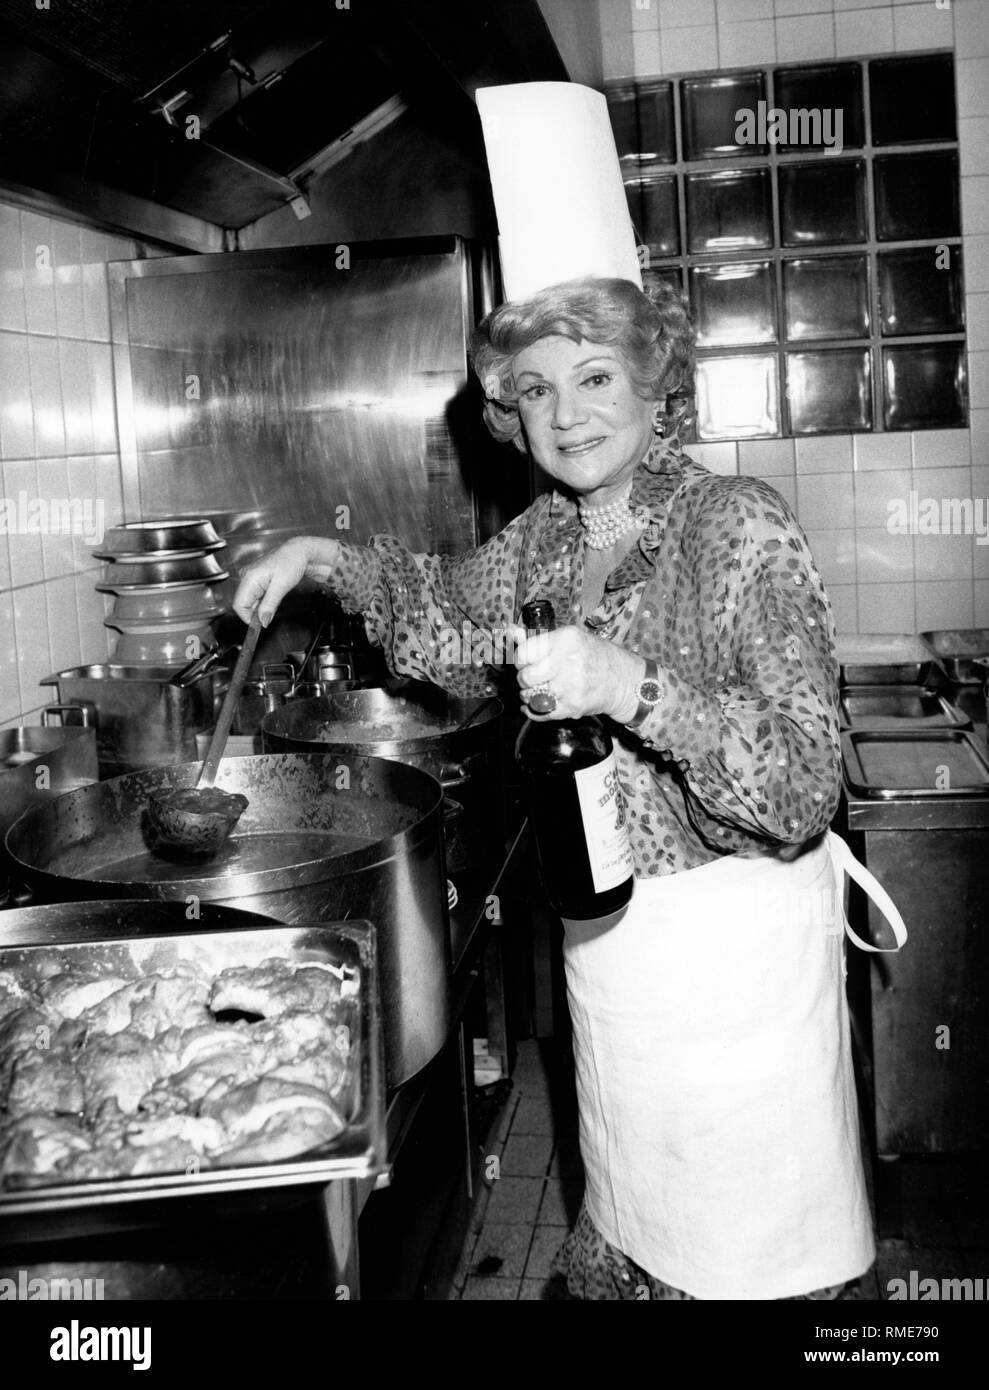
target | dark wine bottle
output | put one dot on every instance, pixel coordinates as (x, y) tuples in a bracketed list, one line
[(575, 805)]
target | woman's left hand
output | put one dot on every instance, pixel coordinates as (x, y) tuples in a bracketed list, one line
[(585, 674)]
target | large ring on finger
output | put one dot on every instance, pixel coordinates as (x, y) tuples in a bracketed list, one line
[(542, 700)]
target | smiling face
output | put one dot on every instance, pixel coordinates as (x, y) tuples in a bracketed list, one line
[(586, 425)]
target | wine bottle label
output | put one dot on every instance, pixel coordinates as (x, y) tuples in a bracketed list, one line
[(605, 826)]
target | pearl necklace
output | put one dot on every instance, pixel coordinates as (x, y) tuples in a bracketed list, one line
[(603, 526)]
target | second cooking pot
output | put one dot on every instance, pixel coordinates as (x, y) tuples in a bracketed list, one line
[(417, 724)]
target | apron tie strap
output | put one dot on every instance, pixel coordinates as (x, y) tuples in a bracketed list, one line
[(844, 862)]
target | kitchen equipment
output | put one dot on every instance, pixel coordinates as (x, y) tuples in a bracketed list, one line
[(37, 763), (200, 666), (156, 539), (164, 605), (883, 659), (145, 941), (957, 651), (142, 719), (897, 707), (197, 822), (148, 574), (929, 848), (323, 838), (325, 663), (263, 694), (169, 648), (418, 726)]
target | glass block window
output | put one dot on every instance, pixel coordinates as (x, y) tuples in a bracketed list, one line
[(811, 215)]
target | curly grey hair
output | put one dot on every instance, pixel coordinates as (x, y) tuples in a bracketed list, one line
[(650, 330)]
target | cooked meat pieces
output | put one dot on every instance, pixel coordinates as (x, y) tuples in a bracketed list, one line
[(198, 1134), (72, 993), (274, 1115), (13, 994), (276, 986), (36, 1143), (50, 1084), (177, 999), (120, 1068), (26, 1030)]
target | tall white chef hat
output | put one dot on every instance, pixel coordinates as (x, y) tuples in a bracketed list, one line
[(557, 186)]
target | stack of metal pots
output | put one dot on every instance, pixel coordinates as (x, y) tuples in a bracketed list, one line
[(162, 575)]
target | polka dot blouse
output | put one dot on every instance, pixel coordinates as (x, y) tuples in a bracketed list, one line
[(721, 591)]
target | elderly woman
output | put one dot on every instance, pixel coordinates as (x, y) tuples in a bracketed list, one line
[(718, 1122)]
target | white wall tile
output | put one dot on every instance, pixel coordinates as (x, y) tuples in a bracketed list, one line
[(976, 257), (31, 636), (863, 31), (977, 320), (56, 544), (941, 449), (39, 277), (787, 489), (766, 458), (735, 11), (981, 616), (615, 15), (682, 14), (886, 608), (110, 487), (882, 557), (972, 77), (834, 555), (70, 319), (978, 380), (975, 204), (719, 457), (922, 26), (844, 606), (978, 428), (101, 397), (10, 690), (690, 50), (826, 453), (84, 487), (13, 314), (73, 357), (824, 502), (804, 37), (24, 547), (876, 492), (16, 409), (94, 638), (844, 5), (945, 604), (747, 44), (792, 7), (616, 56), (46, 396), (881, 451), (971, 28), (646, 55), (92, 250), (942, 557), (942, 482), (973, 145), (4, 561), (644, 14), (63, 624)]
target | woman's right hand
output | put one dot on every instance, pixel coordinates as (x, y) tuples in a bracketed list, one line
[(265, 583)]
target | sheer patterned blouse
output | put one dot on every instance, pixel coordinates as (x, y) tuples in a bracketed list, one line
[(721, 591)]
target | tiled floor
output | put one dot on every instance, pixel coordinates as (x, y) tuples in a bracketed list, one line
[(533, 1188)]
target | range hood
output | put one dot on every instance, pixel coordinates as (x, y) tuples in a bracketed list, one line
[(221, 111)]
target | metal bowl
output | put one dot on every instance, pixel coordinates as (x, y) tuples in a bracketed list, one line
[(169, 648), (193, 570), (152, 538), (165, 605)]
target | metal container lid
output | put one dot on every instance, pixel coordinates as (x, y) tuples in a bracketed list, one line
[(939, 763)]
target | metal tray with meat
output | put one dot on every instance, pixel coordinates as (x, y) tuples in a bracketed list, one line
[(145, 1066)]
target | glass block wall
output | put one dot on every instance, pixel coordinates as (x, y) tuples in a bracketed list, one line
[(811, 214)]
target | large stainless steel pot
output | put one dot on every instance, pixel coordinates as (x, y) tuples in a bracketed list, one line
[(142, 718), (417, 725), (322, 839)]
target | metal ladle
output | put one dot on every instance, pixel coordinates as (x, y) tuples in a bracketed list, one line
[(198, 820)]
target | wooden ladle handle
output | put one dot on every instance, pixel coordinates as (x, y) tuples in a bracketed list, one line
[(230, 701)]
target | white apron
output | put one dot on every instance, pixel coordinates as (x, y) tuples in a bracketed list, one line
[(718, 1119)]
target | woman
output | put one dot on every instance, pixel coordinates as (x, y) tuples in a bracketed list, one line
[(718, 1122)]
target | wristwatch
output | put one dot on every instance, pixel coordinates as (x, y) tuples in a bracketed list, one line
[(650, 693)]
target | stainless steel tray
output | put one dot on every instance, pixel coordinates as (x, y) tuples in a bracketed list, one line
[(889, 765), (958, 651), (883, 659), (898, 707), (52, 1211)]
